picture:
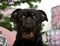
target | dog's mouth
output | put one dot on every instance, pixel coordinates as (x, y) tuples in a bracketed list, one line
[(28, 29), (29, 33), (28, 25)]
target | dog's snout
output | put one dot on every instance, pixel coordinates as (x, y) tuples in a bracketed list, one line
[(28, 18), (28, 22)]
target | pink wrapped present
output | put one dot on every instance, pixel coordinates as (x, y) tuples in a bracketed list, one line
[(56, 17), (54, 37), (10, 36)]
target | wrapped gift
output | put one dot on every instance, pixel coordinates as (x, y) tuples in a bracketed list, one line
[(55, 17), (3, 40), (54, 33), (7, 35), (54, 38)]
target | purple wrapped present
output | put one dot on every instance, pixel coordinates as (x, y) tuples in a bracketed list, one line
[(54, 38)]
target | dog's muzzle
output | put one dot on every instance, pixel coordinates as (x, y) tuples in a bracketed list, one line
[(28, 23)]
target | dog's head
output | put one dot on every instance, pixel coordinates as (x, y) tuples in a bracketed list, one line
[(27, 21)]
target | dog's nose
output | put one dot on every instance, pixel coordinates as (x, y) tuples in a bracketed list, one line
[(28, 22), (29, 19)]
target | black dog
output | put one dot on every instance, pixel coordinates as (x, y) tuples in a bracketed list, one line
[(28, 25)]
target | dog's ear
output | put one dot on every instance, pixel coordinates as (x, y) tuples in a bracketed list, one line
[(14, 15), (43, 15)]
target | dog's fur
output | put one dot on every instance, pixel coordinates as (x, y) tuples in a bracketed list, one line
[(28, 25)]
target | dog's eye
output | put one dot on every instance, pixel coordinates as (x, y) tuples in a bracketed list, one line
[(34, 17), (22, 17)]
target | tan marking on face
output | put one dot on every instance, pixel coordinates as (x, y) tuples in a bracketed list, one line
[(27, 36), (34, 17), (23, 16)]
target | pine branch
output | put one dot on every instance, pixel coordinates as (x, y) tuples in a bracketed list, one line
[(5, 3)]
